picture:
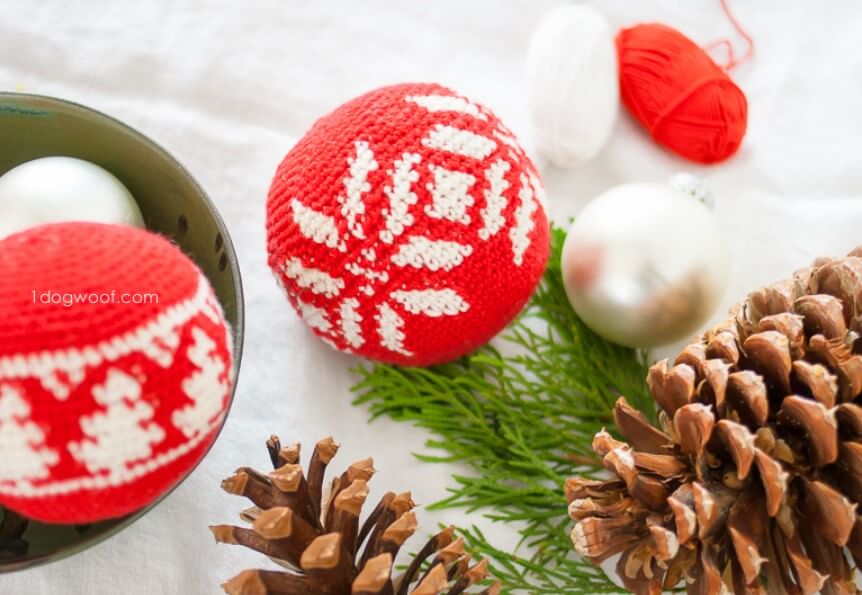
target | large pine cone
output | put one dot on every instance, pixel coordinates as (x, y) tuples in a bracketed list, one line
[(321, 543), (752, 483)]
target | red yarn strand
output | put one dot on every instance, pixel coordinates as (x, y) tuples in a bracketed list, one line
[(732, 61)]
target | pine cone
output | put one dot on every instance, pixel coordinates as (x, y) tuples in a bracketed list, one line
[(752, 483), (323, 547)]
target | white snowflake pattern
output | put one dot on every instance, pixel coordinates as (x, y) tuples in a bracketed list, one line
[(452, 198)]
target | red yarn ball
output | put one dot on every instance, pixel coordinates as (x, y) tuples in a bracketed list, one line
[(678, 93), (407, 226), (104, 405)]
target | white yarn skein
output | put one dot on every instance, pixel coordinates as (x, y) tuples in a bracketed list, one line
[(572, 82)]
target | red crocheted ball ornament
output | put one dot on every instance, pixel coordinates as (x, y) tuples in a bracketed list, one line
[(679, 94), (115, 370), (407, 225)]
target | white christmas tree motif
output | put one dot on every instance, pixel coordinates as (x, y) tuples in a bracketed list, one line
[(121, 434), (453, 199), (206, 387), (22, 443)]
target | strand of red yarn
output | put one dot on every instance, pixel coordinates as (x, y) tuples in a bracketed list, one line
[(732, 62)]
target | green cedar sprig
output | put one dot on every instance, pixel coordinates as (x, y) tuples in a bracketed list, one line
[(521, 417)]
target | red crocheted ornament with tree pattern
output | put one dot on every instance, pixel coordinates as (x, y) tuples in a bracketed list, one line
[(105, 403), (407, 225)]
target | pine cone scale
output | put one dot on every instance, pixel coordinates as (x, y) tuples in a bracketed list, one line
[(265, 582), (374, 578), (638, 431), (693, 425)]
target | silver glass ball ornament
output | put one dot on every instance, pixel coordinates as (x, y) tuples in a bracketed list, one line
[(645, 264)]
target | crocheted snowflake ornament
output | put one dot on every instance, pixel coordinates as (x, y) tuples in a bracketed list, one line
[(407, 226), (115, 370)]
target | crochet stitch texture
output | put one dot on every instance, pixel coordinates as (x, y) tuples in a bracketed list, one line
[(104, 406), (407, 226)]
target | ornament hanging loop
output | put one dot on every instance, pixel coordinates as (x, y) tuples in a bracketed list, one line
[(732, 60)]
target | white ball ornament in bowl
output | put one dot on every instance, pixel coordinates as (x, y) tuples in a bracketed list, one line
[(572, 84), (645, 265), (55, 189)]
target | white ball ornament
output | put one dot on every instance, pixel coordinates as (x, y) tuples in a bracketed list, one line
[(645, 264), (55, 189), (572, 84)]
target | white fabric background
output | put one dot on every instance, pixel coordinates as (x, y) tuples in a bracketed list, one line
[(228, 87)]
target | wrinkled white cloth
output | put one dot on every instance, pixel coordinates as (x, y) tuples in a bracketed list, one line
[(228, 87)]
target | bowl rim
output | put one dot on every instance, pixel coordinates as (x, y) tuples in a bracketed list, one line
[(237, 330)]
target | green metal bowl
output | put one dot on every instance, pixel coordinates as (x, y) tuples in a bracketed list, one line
[(172, 203)]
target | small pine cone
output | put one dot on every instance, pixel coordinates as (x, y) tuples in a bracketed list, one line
[(752, 483), (320, 541)]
